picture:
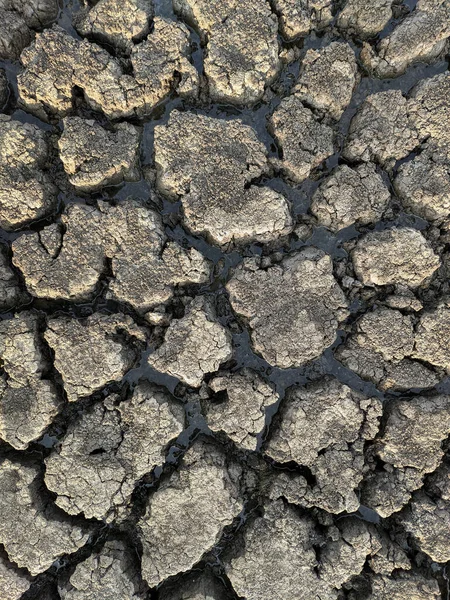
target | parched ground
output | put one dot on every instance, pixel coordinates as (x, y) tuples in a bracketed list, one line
[(224, 299)]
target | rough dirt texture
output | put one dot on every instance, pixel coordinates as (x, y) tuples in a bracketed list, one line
[(364, 18), (26, 189), (93, 352), (11, 293), (196, 502), (394, 256), (194, 345), (13, 583), (32, 532), (423, 184), (105, 575), (327, 79), (403, 587), (237, 71), (210, 164), (432, 338), (382, 349), (68, 262), (93, 157), (121, 24), (280, 541), (19, 19), (299, 17), (241, 414), (331, 448), (421, 37), (56, 63), (292, 309), (225, 299), (195, 586), (410, 448), (350, 197), (29, 401), (382, 130), (304, 140), (104, 454), (429, 107)]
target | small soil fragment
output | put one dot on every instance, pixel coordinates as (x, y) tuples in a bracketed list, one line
[(423, 184), (93, 352), (381, 350), (17, 20), (276, 558), (414, 432), (33, 533), (108, 574), (428, 521), (349, 196), (120, 23), (55, 63), (26, 412), (305, 142), (242, 414), (410, 447), (162, 64), (21, 349), (429, 110), (211, 164), (431, 532), (387, 556), (337, 474), (146, 267), (403, 586), (324, 427), (394, 256), (150, 420), (432, 340), (421, 37), (109, 449), (63, 261), (237, 72), (187, 514), (94, 157), (365, 18), (388, 490), (299, 17), (301, 435), (346, 552), (194, 345), (327, 78), (293, 309), (382, 130), (26, 190), (403, 299), (67, 262), (29, 401)]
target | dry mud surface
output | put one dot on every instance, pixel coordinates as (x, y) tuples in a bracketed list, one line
[(224, 299)]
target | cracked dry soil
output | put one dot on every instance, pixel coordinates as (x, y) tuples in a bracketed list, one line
[(224, 299)]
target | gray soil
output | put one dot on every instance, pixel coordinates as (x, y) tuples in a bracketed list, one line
[(224, 299)]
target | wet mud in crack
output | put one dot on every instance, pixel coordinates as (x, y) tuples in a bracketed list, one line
[(225, 322)]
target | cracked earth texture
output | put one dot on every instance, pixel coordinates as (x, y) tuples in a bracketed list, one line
[(224, 299)]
